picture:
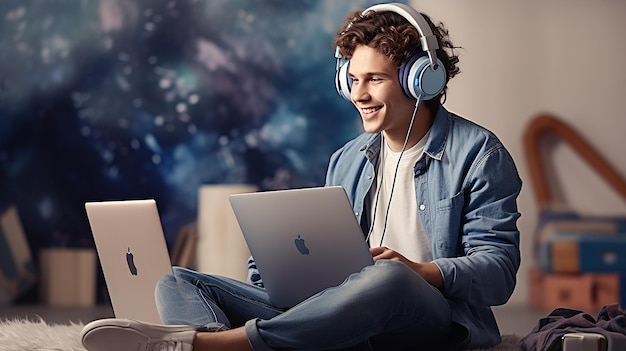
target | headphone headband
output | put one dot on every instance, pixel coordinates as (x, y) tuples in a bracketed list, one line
[(428, 40)]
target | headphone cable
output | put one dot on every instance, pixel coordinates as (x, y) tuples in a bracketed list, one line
[(393, 182)]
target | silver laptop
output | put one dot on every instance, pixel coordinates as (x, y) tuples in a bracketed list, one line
[(133, 254), (303, 240)]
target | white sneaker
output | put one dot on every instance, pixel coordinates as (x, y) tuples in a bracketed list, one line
[(129, 335)]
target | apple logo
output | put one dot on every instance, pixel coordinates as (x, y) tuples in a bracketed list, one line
[(131, 262), (301, 246)]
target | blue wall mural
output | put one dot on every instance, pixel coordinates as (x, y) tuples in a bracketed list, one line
[(116, 99)]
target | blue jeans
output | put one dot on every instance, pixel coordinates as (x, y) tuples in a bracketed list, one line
[(386, 306)]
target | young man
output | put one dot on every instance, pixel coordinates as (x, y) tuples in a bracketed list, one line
[(435, 195)]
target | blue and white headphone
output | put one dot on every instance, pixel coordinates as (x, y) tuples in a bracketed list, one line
[(423, 76)]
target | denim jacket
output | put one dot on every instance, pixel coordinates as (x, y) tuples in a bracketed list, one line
[(466, 186)]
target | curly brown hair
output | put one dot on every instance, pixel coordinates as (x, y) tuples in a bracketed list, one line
[(393, 36)]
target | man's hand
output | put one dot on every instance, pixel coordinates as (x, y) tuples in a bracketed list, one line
[(429, 271)]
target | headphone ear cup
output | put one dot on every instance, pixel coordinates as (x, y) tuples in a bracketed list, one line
[(343, 82), (419, 78)]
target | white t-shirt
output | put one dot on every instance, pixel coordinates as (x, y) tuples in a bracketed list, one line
[(404, 231)]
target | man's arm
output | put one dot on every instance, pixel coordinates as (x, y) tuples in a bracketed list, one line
[(429, 271), (486, 274)]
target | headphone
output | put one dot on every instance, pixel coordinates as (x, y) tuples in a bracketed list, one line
[(423, 76)]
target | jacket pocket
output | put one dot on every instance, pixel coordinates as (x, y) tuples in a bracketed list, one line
[(447, 229)]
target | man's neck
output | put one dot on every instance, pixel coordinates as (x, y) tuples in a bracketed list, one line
[(423, 121)]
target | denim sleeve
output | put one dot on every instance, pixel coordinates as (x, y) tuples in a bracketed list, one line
[(486, 274)]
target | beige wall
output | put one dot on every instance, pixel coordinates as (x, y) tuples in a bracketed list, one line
[(520, 58)]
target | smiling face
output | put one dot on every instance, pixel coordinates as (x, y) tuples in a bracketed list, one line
[(377, 94)]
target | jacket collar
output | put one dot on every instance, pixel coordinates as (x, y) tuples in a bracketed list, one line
[(439, 132), (435, 145)]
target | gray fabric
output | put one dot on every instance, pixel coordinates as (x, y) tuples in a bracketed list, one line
[(547, 334)]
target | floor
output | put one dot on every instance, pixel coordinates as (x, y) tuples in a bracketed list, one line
[(512, 319)]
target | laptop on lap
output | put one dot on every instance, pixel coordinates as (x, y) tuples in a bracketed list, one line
[(133, 254), (303, 240)]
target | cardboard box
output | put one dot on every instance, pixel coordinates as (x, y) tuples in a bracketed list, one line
[(221, 247), (17, 269), (587, 292), (68, 277), (572, 252), (536, 295), (569, 291), (606, 290)]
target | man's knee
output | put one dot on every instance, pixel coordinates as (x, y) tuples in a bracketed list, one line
[(394, 272), (163, 286)]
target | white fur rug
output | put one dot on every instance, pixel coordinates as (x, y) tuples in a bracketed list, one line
[(37, 335)]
